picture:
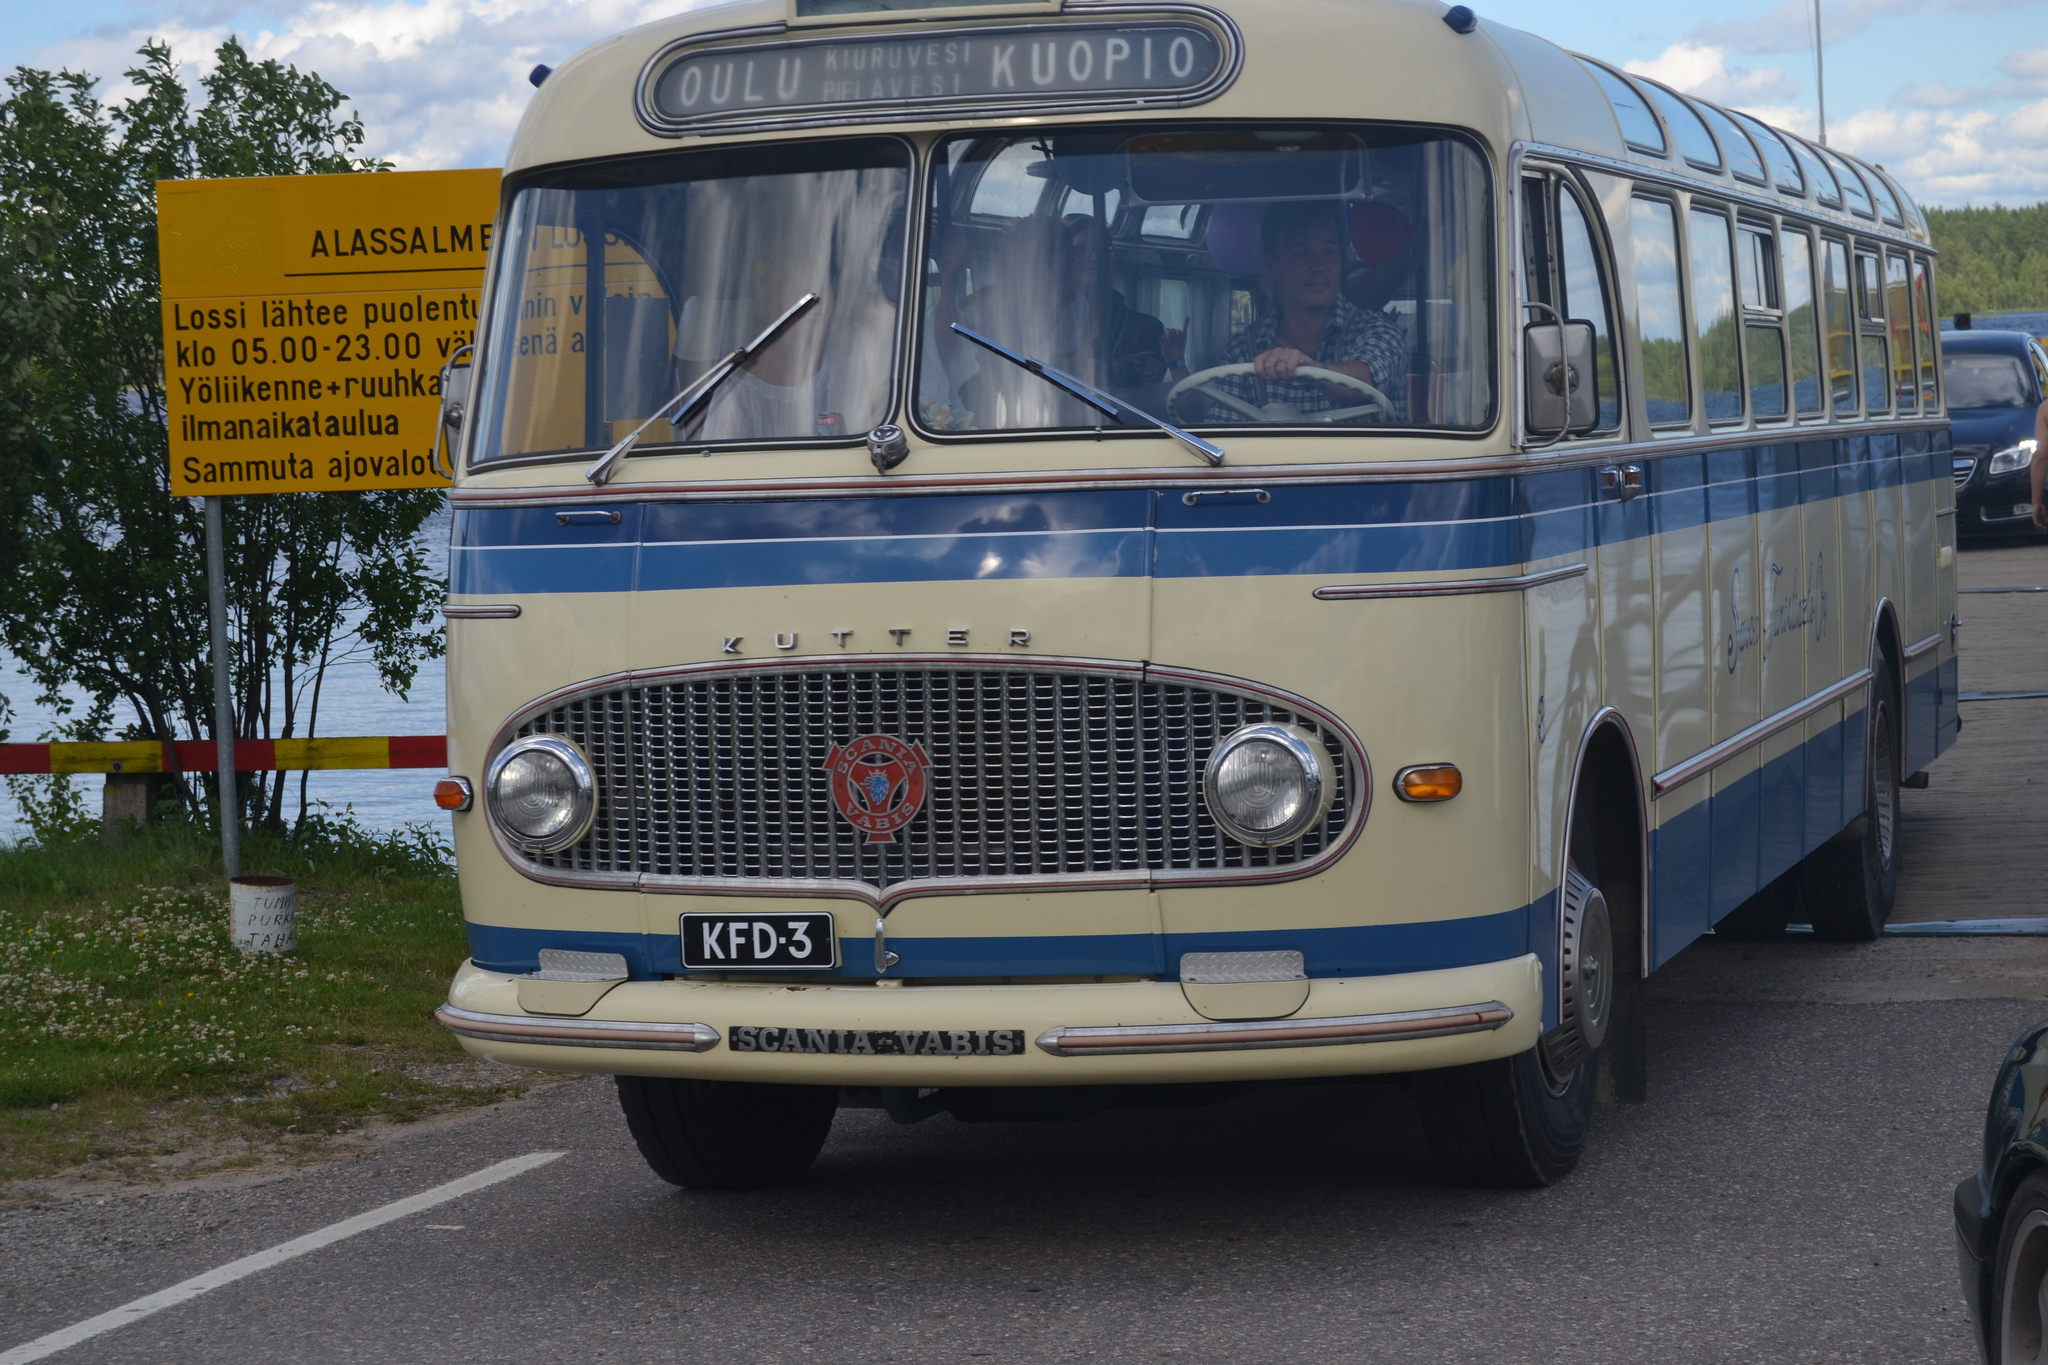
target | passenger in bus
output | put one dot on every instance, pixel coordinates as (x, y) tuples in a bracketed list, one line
[(1305, 319), (1099, 335)]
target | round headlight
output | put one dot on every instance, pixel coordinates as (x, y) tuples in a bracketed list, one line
[(1268, 784), (541, 793)]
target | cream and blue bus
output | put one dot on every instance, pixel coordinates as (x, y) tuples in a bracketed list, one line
[(1018, 557)]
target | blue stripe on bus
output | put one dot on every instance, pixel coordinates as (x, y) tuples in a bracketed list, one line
[(1342, 529), (1363, 950)]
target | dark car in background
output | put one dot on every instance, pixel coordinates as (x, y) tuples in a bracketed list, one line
[(2002, 1211), (1995, 380)]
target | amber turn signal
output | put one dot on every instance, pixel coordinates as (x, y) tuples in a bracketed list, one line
[(453, 793), (1429, 782)]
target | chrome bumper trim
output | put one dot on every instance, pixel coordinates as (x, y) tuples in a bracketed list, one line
[(1271, 1033), (619, 1033), (1920, 647)]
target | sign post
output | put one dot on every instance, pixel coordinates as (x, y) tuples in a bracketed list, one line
[(307, 321)]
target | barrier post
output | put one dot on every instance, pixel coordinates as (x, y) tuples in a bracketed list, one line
[(223, 692)]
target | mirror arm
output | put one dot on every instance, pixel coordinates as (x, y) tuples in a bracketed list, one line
[(461, 414)]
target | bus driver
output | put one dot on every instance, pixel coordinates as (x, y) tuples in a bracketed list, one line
[(1306, 320)]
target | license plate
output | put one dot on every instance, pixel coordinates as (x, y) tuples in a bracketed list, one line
[(742, 943), (2021, 509)]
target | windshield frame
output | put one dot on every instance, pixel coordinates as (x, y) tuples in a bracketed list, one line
[(933, 155), (480, 420)]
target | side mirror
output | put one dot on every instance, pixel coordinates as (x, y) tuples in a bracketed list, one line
[(455, 376), (1560, 382)]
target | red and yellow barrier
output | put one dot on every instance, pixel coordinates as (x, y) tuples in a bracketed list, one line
[(251, 755)]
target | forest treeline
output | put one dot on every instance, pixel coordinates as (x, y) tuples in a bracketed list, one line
[(1993, 260)]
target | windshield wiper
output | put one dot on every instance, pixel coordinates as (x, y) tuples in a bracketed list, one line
[(1106, 403), (690, 399)]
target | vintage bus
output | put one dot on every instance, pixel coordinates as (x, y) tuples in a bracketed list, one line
[(1020, 557)]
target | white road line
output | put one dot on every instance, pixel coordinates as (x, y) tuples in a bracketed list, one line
[(263, 1260)]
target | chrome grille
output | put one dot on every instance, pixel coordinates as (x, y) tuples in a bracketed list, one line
[(1035, 774), (1964, 464)]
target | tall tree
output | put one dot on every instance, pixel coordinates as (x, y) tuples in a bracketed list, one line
[(102, 571)]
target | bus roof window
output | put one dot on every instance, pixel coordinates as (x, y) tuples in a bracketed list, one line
[(1784, 167), (1743, 157), (1851, 181), (1826, 189), (1881, 191), (1362, 255), (1695, 143), (1639, 127)]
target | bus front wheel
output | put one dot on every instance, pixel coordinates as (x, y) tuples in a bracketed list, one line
[(726, 1135), (1521, 1121)]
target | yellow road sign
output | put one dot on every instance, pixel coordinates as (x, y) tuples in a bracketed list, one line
[(306, 320)]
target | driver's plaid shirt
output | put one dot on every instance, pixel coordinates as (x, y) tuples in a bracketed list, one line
[(1352, 333)]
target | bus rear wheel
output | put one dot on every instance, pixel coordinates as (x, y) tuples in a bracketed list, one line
[(1849, 884), (726, 1135), (1520, 1122)]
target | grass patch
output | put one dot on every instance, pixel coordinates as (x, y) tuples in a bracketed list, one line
[(135, 1039)]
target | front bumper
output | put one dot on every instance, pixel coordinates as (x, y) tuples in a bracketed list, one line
[(1142, 1032)]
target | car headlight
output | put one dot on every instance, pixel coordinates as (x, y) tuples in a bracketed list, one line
[(1268, 784), (2013, 457), (541, 793)]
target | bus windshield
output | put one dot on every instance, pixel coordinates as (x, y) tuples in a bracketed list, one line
[(1286, 276), (701, 251)]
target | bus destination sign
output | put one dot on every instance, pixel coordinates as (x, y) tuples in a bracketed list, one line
[(306, 320), (926, 74)]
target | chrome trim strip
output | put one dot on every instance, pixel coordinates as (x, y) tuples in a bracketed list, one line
[(1708, 759), (1449, 587), (1272, 1033), (1070, 480), (1947, 512), (886, 900), (1920, 647), (496, 611), (618, 1033), (1229, 39)]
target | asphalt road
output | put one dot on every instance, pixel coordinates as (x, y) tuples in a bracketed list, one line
[(1782, 1196)]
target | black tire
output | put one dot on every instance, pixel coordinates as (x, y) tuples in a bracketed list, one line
[(1763, 916), (1849, 885), (1520, 1122), (726, 1135), (2013, 1325)]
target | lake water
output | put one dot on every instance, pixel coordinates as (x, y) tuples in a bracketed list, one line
[(351, 703)]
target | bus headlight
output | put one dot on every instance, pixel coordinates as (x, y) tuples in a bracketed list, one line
[(1268, 784), (541, 793)]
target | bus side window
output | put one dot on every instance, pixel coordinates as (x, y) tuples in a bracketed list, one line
[(1923, 318), (1713, 310), (1562, 267), (1840, 315), (1660, 312), (1899, 306), (1802, 324), (1763, 316), (1877, 387)]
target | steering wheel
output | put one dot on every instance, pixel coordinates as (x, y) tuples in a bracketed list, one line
[(1283, 414)]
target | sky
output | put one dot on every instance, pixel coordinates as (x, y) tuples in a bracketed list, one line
[(1950, 95)]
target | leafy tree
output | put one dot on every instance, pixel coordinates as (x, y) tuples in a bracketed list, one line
[(102, 571), (1993, 260)]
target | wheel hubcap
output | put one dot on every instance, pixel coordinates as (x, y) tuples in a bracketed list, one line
[(1585, 977), (1884, 783)]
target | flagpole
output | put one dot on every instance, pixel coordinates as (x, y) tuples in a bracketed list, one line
[(1820, 80)]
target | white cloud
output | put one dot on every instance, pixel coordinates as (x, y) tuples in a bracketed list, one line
[(1788, 26), (440, 83), (1955, 156), (1703, 70)]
